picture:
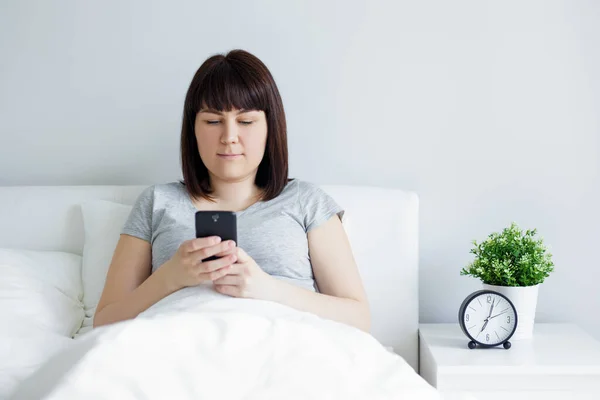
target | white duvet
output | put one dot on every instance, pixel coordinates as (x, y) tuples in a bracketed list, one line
[(225, 348)]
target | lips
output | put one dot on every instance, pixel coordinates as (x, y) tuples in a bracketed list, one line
[(229, 156)]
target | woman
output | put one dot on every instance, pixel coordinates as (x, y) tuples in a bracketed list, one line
[(234, 157)]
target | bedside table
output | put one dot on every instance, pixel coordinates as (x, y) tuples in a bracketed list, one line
[(560, 362)]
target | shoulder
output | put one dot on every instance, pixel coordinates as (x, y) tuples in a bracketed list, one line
[(316, 205), (169, 187), (161, 193), (167, 190), (297, 190), (302, 186), (307, 191)]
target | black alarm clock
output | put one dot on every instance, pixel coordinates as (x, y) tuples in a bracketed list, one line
[(488, 319)]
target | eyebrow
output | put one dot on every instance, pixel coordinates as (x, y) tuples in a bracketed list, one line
[(213, 111)]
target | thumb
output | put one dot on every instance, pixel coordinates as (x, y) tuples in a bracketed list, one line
[(242, 256)]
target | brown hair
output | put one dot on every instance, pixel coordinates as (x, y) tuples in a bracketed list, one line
[(223, 82)]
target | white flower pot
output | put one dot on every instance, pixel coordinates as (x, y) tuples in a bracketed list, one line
[(524, 298)]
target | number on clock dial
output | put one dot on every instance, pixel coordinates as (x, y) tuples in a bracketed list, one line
[(499, 324)]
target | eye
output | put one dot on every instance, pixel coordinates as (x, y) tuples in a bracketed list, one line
[(246, 122), (212, 122)]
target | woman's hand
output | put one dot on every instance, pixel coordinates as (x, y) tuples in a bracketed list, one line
[(246, 279), (186, 268)]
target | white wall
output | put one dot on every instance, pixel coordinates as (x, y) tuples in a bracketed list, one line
[(489, 110)]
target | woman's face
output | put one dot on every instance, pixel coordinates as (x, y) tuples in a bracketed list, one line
[(231, 143)]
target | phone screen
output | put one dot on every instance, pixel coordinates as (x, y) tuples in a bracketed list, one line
[(216, 223)]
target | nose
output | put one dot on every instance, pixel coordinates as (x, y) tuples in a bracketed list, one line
[(230, 133)]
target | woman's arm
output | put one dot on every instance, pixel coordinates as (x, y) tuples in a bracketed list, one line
[(130, 287), (342, 296)]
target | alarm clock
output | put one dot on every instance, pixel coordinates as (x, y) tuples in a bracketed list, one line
[(488, 319)]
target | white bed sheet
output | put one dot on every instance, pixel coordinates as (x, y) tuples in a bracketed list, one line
[(226, 348)]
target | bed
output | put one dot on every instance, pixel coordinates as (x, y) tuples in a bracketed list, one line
[(80, 224)]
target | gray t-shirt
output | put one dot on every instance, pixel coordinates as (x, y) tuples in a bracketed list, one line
[(273, 233)]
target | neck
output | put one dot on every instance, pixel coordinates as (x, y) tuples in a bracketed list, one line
[(236, 192)]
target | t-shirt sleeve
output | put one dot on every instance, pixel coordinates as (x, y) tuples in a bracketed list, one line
[(139, 222), (318, 206)]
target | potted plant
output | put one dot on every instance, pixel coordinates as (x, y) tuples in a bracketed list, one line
[(513, 263)]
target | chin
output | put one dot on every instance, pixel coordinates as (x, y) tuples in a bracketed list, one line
[(230, 174)]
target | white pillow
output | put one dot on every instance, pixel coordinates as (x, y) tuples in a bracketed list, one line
[(40, 310), (42, 289), (102, 222)]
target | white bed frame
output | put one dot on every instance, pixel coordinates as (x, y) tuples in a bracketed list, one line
[(382, 225)]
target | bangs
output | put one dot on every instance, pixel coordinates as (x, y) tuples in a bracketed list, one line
[(237, 80), (225, 88)]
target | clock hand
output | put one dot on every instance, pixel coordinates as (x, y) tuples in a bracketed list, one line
[(484, 325), (488, 318), (492, 308), (500, 313)]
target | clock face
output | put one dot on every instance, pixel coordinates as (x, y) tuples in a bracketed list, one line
[(488, 318)]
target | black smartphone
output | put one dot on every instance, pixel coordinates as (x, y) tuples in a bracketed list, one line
[(216, 223)]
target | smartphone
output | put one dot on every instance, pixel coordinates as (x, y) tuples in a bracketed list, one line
[(216, 223)]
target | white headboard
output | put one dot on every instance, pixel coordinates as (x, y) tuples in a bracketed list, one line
[(382, 225)]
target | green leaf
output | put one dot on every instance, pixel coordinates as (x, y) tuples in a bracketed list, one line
[(512, 257)]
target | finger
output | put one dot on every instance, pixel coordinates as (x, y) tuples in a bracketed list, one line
[(215, 249), (242, 255), (226, 252), (214, 275), (236, 268), (229, 290), (228, 279), (214, 265), (200, 243)]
